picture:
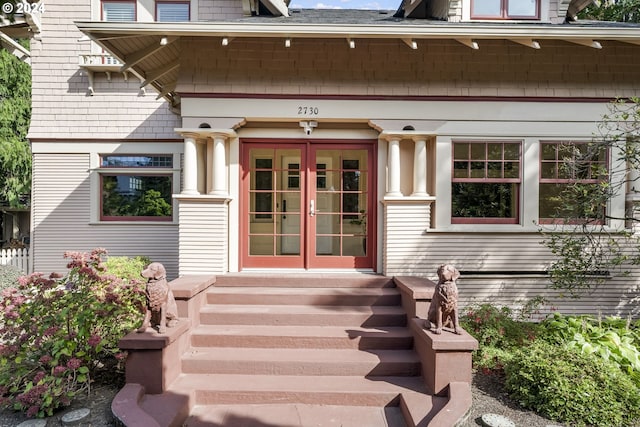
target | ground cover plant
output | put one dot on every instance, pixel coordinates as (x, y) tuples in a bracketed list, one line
[(57, 334), (578, 370)]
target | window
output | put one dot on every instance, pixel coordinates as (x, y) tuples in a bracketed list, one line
[(168, 11), (116, 11), (569, 162), (136, 188), (505, 9), (486, 182)]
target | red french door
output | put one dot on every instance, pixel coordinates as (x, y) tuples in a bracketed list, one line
[(307, 205)]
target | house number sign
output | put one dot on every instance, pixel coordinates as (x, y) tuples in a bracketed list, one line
[(308, 111)]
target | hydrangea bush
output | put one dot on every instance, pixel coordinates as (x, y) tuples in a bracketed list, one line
[(58, 333)]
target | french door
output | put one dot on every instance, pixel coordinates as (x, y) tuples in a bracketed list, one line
[(307, 205)]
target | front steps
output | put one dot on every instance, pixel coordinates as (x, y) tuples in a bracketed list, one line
[(329, 350)]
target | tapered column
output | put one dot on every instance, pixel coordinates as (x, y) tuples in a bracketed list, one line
[(219, 165), (420, 167), (190, 165), (393, 167), (209, 166)]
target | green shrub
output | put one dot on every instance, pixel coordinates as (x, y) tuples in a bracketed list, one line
[(9, 276), (498, 334), (571, 387), (57, 333), (613, 339), (127, 268)]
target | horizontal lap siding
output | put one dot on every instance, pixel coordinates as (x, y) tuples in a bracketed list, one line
[(203, 237), (61, 219)]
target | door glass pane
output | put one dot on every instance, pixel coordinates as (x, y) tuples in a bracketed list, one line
[(485, 8), (522, 8), (343, 192), (275, 201)]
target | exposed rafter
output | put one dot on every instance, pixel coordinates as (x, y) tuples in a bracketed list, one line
[(527, 42), (411, 43), (585, 42), (15, 48), (159, 72), (167, 89), (469, 43), (140, 55)]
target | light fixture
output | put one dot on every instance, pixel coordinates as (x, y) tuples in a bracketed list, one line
[(287, 43), (352, 43), (225, 41), (163, 41)]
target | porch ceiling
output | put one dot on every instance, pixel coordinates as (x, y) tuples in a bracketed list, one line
[(151, 50)]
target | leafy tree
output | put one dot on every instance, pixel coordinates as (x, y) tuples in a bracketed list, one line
[(15, 113), (585, 245), (613, 10)]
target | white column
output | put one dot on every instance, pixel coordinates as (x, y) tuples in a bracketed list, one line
[(202, 166), (393, 167), (219, 165), (420, 167), (209, 166), (190, 165)]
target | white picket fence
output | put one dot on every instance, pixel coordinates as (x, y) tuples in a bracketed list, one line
[(16, 257)]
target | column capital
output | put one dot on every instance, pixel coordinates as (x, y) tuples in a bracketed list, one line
[(206, 133), (399, 135)]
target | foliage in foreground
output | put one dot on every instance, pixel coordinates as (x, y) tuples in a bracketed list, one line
[(498, 334), (58, 333), (569, 386)]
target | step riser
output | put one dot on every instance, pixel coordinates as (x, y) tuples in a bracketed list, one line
[(302, 281), (337, 319), (362, 343), (398, 369), (205, 397), (326, 300)]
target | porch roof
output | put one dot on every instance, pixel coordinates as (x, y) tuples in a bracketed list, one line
[(148, 49)]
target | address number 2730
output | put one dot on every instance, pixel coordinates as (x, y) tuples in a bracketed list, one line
[(308, 111)]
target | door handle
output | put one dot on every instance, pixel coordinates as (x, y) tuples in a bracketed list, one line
[(312, 207)]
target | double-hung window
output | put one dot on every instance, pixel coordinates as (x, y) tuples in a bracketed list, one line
[(505, 9), (136, 187), (486, 180), (564, 163), (172, 11), (118, 10)]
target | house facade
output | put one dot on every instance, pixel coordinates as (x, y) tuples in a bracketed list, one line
[(241, 136)]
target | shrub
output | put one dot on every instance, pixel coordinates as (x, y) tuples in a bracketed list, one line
[(9, 276), (57, 333), (568, 386), (127, 268), (498, 334)]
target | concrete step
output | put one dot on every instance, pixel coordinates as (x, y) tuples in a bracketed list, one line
[(267, 336), (303, 296), (295, 416), (305, 280), (352, 316), (229, 389), (309, 362)]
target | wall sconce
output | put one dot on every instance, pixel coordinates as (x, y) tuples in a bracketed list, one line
[(163, 41), (225, 41), (287, 43)]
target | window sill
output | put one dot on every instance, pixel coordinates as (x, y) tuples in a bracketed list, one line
[(145, 223)]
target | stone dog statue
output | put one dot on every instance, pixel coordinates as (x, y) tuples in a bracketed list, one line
[(443, 310), (161, 305)]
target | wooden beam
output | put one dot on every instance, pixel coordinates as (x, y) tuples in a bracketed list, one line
[(411, 43), (138, 56), (469, 43), (167, 89), (159, 72), (585, 42), (527, 42)]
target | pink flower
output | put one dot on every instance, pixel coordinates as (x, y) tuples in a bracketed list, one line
[(38, 377), (94, 340), (59, 370), (33, 411), (74, 363), (45, 359), (51, 331), (121, 356)]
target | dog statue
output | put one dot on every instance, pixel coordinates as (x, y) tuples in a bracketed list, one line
[(443, 310), (161, 305)]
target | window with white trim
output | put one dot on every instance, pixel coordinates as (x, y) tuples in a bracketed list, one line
[(172, 11), (118, 10), (505, 9), (136, 187), (565, 163), (485, 187)]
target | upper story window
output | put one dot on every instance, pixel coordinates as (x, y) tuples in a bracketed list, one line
[(136, 187), (172, 11), (115, 10), (486, 182), (505, 9), (564, 163)]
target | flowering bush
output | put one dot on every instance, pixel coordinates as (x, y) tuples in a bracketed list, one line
[(56, 333)]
